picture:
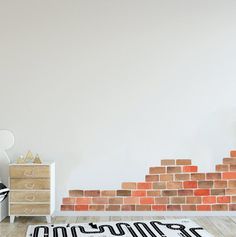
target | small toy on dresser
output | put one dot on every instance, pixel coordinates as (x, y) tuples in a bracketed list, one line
[(29, 158)]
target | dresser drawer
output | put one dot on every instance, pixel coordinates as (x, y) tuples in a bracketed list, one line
[(29, 209), (29, 184), (30, 196), (29, 171)]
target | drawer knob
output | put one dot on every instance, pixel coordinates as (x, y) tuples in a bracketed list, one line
[(29, 186), (28, 173), (28, 210), (30, 198)]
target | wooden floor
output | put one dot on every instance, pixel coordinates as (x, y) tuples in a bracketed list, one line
[(217, 226)]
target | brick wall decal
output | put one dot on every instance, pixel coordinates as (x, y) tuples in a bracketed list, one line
[(175, 185)]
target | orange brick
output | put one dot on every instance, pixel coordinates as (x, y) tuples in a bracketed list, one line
[(190, 184), (174, 169), (144, 185), (169, 193), (213, 176), (152, 193), (229, 161), (177, 200), (223, 199), (173, 208), (108, 193), (201, 192), (115, 200), (182, 177), (222, 168), (151, 178), (100, 200), (189, 207), (139, 193), (232, 153), (123, 192), (146, 200), (159, 185), (220, 184), (198, 176), (143, 208), (205, 184), (166, 177), (128, 185), (81, 207), (76, 193), (229, 175), (185, 192), (193, 200), (131, 200), (168, 162), (174, 185), (159, 207), (157, 170), (190, 169), (203, 207), (83, 201), (232, 183), (91, 193), (209, 200), (113, 208), (161, 200), (220, 207), (68, 201), (128, 207), (183, 162), (67, 207), (232, 207)]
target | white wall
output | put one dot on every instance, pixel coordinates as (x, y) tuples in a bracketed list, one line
[(108, 88)]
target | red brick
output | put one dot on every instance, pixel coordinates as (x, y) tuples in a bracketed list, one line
[(96, 207), (229, 161), (220, 207), (223, 199), (131, 200), (159, 207), (169, 193), (67, 207), (159, 185), (91, 193), (174, 169), (123, 192), (143, 208), (152, 193), (209, 200), (220, 184), (168, 162), (218, 191), (108, 193), (157, 170), (185, 192), (222, 168), (100, 200), (213, 176), (113, 208), (190, 169), (193, 200), (76, 193), (230, 191), (115, 200), (174, 185), (182, 177), (205, 184), (229, 175), (232, 183), (139, 193), (173, 208), (189, 207), (183, 162), (162, 200), (232, 153), (68, 201), (201, 192), (232, 207), (146, 200), (128, 207), (151, 178), (81, 207), (178, 200), (190, 184), (203, 207), (128, 185), (83, 200), (198, 176), (144, 185), (166, 177)]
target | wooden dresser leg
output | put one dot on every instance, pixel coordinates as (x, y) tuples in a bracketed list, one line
[(49, 220), (12, 218)]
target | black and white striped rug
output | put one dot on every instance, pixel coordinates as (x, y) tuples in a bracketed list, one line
[(163, 228)]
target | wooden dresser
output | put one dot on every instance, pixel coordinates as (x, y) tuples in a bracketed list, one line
[(32, 190)]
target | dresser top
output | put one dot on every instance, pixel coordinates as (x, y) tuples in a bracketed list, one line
[(30, 164)]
